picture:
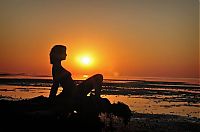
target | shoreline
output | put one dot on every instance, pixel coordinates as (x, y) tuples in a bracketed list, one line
[(135, 93), (138, 122)]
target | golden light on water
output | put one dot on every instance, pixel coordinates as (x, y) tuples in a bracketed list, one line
[(85, 76)]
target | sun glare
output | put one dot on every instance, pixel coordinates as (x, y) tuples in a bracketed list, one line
[(85, 60)]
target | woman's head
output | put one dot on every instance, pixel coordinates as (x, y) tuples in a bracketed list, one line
[(58, 53)]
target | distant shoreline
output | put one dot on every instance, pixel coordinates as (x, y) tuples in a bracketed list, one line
[(5, 80), (106, 78)]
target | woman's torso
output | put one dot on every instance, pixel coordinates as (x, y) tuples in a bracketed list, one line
[(63, 77)]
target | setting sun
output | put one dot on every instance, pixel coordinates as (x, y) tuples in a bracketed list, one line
[(85, 60)]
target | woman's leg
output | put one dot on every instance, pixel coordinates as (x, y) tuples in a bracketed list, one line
[(94, 82)]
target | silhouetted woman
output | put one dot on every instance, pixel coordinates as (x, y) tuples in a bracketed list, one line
[(62, 77)]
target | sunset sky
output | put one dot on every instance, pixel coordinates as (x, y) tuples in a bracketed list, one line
[(151, 38)]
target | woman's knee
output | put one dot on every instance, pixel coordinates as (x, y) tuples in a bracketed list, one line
[(98, 77)]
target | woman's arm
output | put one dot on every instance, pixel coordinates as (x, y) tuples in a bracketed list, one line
[(54, 90)]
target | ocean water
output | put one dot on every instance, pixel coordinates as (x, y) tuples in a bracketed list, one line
[(142, 95)]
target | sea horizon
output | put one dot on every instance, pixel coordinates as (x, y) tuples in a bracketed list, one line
[(190, 80)]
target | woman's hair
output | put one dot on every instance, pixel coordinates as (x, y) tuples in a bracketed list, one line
[(57, 53)]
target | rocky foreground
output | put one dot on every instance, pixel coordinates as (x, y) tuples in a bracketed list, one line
[(93, 116)]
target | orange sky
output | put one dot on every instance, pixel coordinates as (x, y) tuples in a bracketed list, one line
[(123, 37)]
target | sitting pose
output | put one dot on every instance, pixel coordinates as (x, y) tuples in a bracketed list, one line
[(61, 77)]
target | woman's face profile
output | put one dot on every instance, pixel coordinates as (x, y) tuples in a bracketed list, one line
[(63, 55)]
